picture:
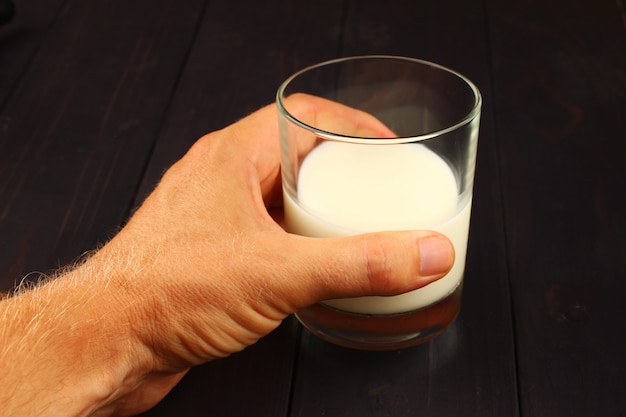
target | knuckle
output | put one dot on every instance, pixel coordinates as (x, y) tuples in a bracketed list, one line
[(379, 266)]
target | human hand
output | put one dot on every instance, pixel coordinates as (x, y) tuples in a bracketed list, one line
[(202, 270)]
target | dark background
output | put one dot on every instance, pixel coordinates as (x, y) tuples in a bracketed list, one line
[(98, 98)]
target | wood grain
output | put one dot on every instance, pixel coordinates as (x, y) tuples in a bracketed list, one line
[(560, 77), (97, 99), (79, 126)]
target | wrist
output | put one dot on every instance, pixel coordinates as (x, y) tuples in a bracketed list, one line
[(68, 346)]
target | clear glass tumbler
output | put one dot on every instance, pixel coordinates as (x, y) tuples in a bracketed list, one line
[(414, 172)]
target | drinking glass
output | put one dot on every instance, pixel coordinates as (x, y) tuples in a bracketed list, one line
[(414, 171)]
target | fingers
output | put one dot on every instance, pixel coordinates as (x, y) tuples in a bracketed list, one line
[(333, 117), (306, 118), (385, 263), (256, 137)]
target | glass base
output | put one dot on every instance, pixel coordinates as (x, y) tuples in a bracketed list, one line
[(381, 332)]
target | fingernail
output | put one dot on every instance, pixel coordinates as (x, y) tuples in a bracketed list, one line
[(436, 255)]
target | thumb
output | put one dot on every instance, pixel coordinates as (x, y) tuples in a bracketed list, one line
[(384, 263)]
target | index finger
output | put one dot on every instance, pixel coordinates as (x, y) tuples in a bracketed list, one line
[(257, 136)]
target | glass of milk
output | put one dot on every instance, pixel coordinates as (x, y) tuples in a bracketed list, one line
[(417, 172)]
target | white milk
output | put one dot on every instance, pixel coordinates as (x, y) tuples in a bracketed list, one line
[(346, 189)]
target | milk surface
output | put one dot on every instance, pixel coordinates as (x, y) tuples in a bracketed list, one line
[(346, 188)]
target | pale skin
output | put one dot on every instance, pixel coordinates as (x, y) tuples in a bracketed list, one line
[(199, 272)]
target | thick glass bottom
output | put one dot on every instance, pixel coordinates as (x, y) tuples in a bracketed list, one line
[(381, 332)]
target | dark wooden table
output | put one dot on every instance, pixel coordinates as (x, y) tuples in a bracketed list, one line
[(98, 98)]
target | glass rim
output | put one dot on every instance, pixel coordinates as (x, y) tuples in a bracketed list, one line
[(471, 115)]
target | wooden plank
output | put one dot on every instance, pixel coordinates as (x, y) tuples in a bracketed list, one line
[(470, 369), (561, 106), (21, 37), (238, 64), (79, 126), (244, 50)]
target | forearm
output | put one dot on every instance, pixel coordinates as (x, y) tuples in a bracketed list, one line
[(64, 352), (199, 272)]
